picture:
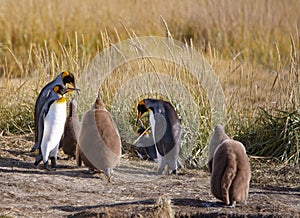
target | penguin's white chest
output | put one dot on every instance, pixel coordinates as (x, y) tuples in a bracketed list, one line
[(152, 122), (53, 126)]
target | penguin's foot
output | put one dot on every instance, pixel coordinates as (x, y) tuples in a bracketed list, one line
[(53, 162), (38, 159), (46, 166), (232, 204), (109, 179), (108, 173), (174, 172), (223, 204)]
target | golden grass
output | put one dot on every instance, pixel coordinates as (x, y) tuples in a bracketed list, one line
[(253, 46)]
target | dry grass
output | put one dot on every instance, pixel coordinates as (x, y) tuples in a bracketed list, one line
[(252, 45)]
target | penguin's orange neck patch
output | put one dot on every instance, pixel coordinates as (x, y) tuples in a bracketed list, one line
[(61, 100)]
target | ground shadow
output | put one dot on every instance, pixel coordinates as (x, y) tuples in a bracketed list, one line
[(13, 162), (13, 165), (274, 190), (20, 152), (82, 208), (176, 201), (194, 202), (284, 190), (86, 211), (135, 170)]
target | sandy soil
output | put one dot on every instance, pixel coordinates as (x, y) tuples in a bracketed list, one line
[(135, 191)]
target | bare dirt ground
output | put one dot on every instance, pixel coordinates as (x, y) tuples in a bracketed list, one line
[(135, 191)]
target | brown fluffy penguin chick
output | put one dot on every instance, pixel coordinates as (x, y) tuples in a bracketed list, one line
[(230, 169), (80, 157), (69, 140), (99, 139)]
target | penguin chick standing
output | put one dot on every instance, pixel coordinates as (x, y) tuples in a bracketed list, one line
[(54, 117), (99, 139), (166, 131), (69, 139), (63, 79), (230, 168)]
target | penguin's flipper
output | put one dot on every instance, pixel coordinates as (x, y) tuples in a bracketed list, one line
[(50, 98), (34, 147), (42, 99), (40, 102), (167, 132)]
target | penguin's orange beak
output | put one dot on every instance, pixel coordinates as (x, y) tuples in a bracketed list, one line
[(71, 87)]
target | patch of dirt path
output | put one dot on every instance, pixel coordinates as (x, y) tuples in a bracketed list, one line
[(135, 191)]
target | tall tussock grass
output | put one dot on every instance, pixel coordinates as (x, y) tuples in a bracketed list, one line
[(253, 46), (274, 135)]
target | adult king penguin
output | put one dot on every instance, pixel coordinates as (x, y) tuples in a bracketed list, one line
[(166, 132), (53, 117), (63, 79), (229, 167)]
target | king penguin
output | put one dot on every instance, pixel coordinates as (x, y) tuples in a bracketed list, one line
[(53, 117), (229, 167), (63, 79), (166, 132), (99, 139), (69, 139)]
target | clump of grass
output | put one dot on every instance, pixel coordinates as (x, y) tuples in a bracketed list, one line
[(256, 59), (274, 135), (162, 208)]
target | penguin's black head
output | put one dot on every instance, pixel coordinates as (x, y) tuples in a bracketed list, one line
[(69, 78), (141, 110)]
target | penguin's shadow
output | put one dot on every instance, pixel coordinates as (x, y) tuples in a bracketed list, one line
[(19, 152), (271, 190), (14, 165), (193, 202), (176, 201), (82, 208), (140, 170)]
